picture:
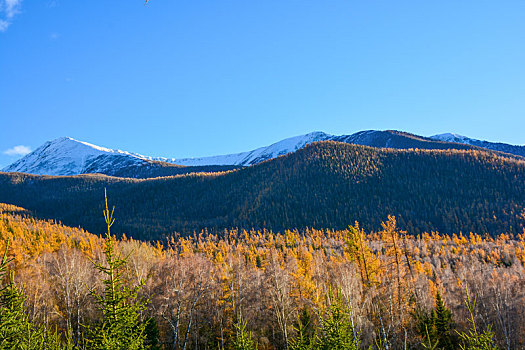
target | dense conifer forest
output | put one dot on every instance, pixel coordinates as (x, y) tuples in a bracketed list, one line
[(65, 288), (327, 185)]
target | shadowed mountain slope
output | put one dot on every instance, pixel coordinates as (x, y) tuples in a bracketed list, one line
[(325, 185), (495, 146)]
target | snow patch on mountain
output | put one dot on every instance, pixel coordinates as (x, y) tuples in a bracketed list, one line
[(451, 137), (495, 146), (258, 155), (67, 156)]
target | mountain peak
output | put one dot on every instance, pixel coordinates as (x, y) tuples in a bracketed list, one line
[(450, 137), (68, 156), (495, 146), (317, 134), (258, 155), (71, 142), (63, 138)]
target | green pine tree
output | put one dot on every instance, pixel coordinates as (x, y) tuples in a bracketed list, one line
[(337, 332), (473, 339), (16, 332), (442, 324), (243, 338), (429, 341), (121, 326), (305, 338), (434, 327)]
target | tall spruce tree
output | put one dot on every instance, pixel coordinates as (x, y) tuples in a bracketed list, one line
[(337, 332), (474, 339), (121, 326), (442, 324), (16, 331), (435, 326)]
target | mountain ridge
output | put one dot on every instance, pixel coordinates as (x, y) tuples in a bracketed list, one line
[(495, 146), (68, 156), (324, 185)]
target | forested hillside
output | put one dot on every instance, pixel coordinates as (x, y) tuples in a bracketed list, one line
[(152, 169), (312, 288), (325, 185)]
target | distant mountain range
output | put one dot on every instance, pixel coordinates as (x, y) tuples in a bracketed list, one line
[(67, 156), (323, 185), (495, 146)]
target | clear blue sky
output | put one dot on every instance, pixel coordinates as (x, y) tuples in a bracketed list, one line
[(194, 78)]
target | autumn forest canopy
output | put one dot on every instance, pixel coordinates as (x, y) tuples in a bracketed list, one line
[(65, 288)]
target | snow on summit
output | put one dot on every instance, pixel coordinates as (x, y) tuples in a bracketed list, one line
[(67, 156), (258, 155), (495, 146), (451, 137), (64, 156)]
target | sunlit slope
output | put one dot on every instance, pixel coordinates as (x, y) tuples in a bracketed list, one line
[(325, 185), (30, 238)]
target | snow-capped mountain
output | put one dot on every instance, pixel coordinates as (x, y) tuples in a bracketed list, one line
[(372, 138), (67, 156), (395, 139), (258, 155), (451, 137), (495, 146)]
